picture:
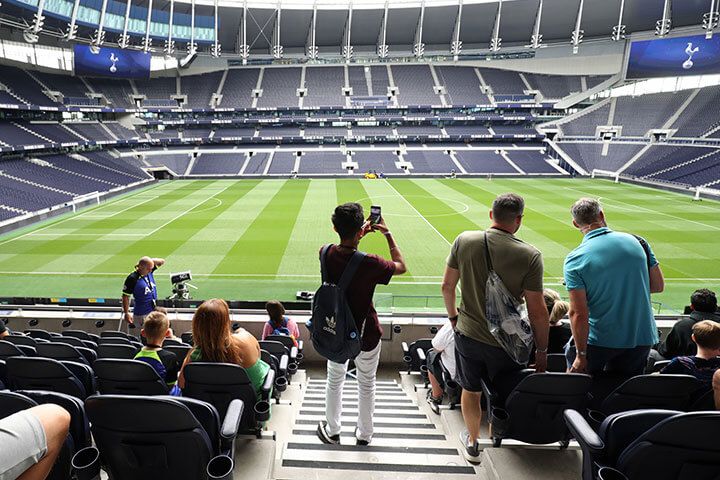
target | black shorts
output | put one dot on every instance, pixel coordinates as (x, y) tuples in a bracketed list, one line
[(477, 361), (434, 365)]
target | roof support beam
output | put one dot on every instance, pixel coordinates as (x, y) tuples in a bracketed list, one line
[(496, 41), (243, 47), (347, 49), (72, 26), (124, 40), (147, 41), (215, 50), (192, 46), (311, 44), (619, 29), (99, 36), (419, 46), (710, 19), (578, 33), (663, 26), (31, 34), (456, 44), (277, 49), (536, 38), (170, 43), (382, 48)]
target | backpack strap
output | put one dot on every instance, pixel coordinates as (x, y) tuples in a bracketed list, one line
[(643, 243), (323, 260), (487, 252), (350, 270)]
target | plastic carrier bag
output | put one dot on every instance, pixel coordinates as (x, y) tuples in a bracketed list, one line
[(507, 318)]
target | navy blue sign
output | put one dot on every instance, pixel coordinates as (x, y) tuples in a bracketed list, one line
[(671, 57), (111, 62)]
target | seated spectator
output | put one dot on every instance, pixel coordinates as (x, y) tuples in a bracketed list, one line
[(703, 304), (214, 343), (279, 324), (31, 441), (705, 363), (440, 358), (4, 331), (155, 329), (560, 333)]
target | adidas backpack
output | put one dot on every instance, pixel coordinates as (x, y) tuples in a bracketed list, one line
[(332, 326)]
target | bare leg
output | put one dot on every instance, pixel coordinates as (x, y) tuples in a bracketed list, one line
[(55, 421), (472, 414), (436, 390)]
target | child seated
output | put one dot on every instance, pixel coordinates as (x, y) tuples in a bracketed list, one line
[(705, 363), (155, 328), (279, 324)]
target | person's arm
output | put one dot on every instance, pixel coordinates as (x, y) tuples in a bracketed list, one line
[(716, 388), (657, 281), (580, 326), (538, 314), (266, 330), (126, 308), (181, 375), (159, 262), (395, 253), (449, 292)]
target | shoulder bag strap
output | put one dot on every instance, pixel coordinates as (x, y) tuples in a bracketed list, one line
[(487, 252), (350, 270), (323, 259), (645, 246)]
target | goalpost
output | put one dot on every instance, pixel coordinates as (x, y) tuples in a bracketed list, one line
[(92, 197), (605, 173), (705, 191)]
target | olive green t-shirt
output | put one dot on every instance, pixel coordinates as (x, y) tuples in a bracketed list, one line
[(519, 265)]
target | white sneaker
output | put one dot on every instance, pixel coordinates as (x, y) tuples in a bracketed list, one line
[(471, 451)]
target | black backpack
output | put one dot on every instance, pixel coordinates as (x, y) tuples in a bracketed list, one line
[(332, 326)]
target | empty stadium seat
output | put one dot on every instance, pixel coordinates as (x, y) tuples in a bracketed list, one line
[(672, 392), (115, 334), (656, 444), (38, 333), (289, 342), (415, 356), (128, 377), (3, 375), (8, 350), (117, 351), (63, 351), (532, 411), (79, 334), (278, 351), (280, 370), (221, 383), (167, 436), (21, 340), (556, 362), (71, 378), (180, 351)]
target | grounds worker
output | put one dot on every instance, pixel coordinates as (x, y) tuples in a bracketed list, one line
[(140, 284)]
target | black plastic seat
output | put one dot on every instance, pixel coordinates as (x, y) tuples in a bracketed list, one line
[(180, 351), (172, 341), (3, 375), (415, 355), (21, 340), (75, 342), (278, 350), (288, 342), (280, 369), (164, 437), (114, 334), (656, 444), (220, 383), (34, 373), (186, 337), (38, 333), (63, 351), (128, 377), (79, 425), (114, 341), (532, 411), (669, 392), (8, 350), (117, 351), (79, 334), (556, 363)]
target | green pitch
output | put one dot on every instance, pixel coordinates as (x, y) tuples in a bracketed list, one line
[(259, 239)]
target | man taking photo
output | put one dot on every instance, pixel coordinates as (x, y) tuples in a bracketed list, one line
[(140, 284)]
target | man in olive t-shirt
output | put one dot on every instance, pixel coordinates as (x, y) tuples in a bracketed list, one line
[(479, 356)]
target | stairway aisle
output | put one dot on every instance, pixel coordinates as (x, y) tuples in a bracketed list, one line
[(406, 444)]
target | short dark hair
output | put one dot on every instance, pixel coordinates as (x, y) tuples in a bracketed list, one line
[(348, 219), (707, 334), (704, 300), (507, 207)]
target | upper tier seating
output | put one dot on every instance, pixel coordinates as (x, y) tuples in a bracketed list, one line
[(117, 92), (637, 115), (589, 155), (279, 86), (554, 86), (238, 87), (23, 86), (200, 88), (462, 85), (228, 163), (358, 81), (585, 125), (324, 86), (701, 115), (415, 85), (503, 81)]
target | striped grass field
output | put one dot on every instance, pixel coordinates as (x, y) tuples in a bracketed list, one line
[(258, 239)]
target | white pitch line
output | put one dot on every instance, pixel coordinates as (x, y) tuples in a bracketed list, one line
[(419, 214), (649, 210), (123, 210), (60, 234)]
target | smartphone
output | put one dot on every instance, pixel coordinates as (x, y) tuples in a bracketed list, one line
[(374, 214)]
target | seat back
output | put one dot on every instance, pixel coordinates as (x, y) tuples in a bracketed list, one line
[(159, 437), (669, 392), (536, 405), (8, 350), (180, 351), (619, 430), (3, 375), (186, 337), (424, 344), (21, 340), (61, 351), (284, 339), (117, 351), (171, 341), (114, 333), (75, 342), (678, 448), (13, 402), (79, 334), (128, 377), (556, 362), (114, 341), (219, 384), (274, 348), (38, 333), (34, 373), (79, 425)]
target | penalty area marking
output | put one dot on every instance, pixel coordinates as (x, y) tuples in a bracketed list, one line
[(465, 206)]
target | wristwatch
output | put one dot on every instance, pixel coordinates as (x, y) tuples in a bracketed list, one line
[(582, 353), (453, 318)]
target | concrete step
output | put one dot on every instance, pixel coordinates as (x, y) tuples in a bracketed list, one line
[(538, 464)]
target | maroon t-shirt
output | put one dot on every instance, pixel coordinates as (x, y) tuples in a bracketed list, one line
[(372, 271)]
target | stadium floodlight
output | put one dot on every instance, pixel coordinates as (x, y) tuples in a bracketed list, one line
[(710, 19)]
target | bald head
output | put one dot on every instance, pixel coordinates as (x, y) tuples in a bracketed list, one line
[(145, 265)]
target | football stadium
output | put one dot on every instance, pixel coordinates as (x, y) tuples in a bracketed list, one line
[(398, 239)]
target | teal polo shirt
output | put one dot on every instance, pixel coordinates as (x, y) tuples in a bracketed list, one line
[(612, 268)]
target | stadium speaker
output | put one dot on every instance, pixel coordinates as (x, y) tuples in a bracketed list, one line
[(66, 323), (187, 60), (33, 322), (6, 320), (433, 329), (100, 323), (235, 327), (397, 329)]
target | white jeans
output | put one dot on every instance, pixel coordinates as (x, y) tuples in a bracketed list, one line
[(366, 364)]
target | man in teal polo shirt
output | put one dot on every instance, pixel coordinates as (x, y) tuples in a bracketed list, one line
[(610, 277)]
